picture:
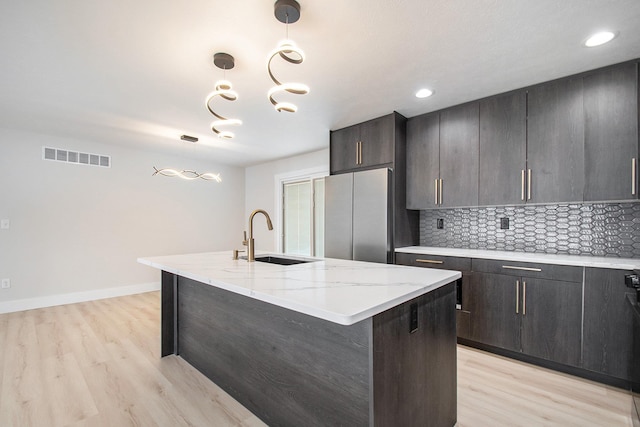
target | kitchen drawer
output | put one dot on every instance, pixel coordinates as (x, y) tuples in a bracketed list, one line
[(434, 261), (528, 269)]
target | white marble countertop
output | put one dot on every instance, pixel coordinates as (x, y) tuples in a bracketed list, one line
[(577, 260), (343, 292)]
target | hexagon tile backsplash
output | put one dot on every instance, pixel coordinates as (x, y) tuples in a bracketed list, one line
[(603, 229)]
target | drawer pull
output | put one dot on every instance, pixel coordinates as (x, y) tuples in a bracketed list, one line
[(429, 261), (513, 267)]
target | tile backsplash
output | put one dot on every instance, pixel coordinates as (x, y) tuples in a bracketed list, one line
[(601, 229)]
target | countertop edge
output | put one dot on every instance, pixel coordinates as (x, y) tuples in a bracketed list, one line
[(345, 320), (571, 260)]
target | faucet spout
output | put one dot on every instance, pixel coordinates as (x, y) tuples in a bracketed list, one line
[(251, 254)]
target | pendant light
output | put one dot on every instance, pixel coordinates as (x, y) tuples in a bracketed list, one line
[(223, 89), (287, 12)]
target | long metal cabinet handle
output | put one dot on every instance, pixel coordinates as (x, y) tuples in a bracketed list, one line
[(528, 184), (633, 176), (360, 152), (435, 190), (514, 267), (440, 191), (357, 152), (517, 296), (524, 298), (430, 261), (522, 184)]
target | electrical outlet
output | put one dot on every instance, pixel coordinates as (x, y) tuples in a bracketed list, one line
[(413, 318), (6, 283), (4, 224), (504, 223), (440, 223)]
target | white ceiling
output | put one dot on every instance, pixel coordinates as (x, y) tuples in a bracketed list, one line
[(137, 72)]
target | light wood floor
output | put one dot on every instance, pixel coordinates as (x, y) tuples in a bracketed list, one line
[(97, 364)]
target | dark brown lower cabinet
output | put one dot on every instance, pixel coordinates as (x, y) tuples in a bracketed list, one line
[(537, 317), (491, 300), (608, 319)]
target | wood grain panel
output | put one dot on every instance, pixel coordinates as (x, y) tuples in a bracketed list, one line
[(611, 132), (168, 314), (459, 155), (555, 141), (608, 335), (415, 373), (503, 148), (552, 322), (286, 367), (423, 160)]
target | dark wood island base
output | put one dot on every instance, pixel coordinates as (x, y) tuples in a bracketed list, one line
[(292, 369)]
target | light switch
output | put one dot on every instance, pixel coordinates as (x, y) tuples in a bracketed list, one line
[(4, 224)]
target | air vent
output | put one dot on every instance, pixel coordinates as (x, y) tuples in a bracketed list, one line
[(75, 157)]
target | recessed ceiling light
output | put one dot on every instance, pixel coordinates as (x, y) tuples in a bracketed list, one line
[(599, 39), (424, 93)]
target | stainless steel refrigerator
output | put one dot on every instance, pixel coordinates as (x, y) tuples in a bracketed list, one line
[(359, 216)]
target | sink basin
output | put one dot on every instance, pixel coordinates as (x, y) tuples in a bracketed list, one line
[(281, 260)]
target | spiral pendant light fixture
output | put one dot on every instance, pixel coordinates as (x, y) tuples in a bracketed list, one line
[(287, 12), (223, 89)]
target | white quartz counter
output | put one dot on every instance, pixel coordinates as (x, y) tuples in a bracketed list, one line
[(581, 261), (339, 291)]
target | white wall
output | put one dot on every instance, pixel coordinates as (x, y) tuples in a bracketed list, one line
[(260, 192), (79, 229)]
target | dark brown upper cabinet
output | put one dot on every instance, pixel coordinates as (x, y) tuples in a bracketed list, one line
[(573, 139), (555, 142), (459, 156), (611, 133), (442, 162), (363, 146), (503, 149), (423, 161)]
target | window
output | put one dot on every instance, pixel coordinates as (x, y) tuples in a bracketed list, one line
[(301, 223)]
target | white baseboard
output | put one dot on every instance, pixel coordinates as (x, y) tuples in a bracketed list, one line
[(52, 300)]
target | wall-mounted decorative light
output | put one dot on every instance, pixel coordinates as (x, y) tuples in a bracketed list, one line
[(224, 89), (287, 12), (187, 174)]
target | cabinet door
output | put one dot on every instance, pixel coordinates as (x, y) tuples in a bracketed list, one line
[(491, 301), (343, 147), (551, 320), (555, 144), (503, 149), (611, 133), (423, 153), (608, 335), (377, 137), (459, 140)]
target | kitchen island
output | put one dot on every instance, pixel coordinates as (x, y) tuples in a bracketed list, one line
[(328, 342)]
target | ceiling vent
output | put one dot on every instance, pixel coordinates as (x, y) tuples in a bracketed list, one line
[(75, 157)]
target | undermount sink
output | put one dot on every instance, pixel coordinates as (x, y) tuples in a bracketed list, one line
[(281, 260)]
